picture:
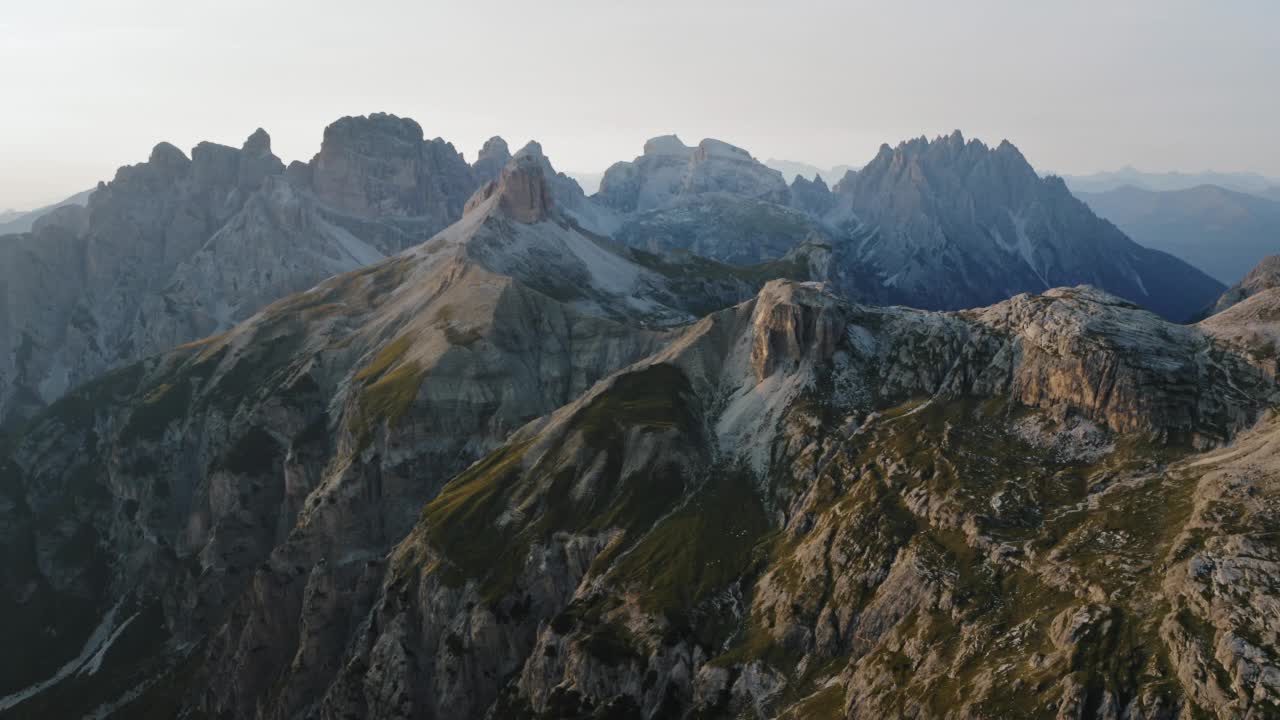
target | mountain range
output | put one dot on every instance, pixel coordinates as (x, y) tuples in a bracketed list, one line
[(1245, 182), (179, 248), (391, 435), (1223, 232)]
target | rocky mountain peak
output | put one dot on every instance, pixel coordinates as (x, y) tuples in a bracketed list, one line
[(951, 210), (258, 143), (923, 158), (533, 149), (521, 189), (257, 162), (493, 156), (380, 165), (220, 166), (811, 196), (666, 145), (165, 156), (494, 147)]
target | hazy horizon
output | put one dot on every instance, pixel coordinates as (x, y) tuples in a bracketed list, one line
[(1080, 89)]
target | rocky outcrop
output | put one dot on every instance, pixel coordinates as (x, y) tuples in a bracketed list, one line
[(1252, 328), (1221, 580), (951, 223), (877, 552), (521, 192), (1265, 276)]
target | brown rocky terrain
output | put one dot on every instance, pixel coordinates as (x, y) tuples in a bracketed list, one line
[(1265, 276), (187, 489), (794, 507)]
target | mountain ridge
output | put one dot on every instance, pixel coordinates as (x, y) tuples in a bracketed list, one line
[(1221, 231), (718, 413), (1246, 182), (242, 238)]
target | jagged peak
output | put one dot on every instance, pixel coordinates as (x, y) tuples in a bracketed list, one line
[(493, 156), (1008, 149), (494, 147), (258, 143), (533, 148), (946, 150), (1055, 182), (521, 189), (954, 140), (817, 183)]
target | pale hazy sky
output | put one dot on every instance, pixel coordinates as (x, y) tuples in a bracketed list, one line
[(1078, 86)]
